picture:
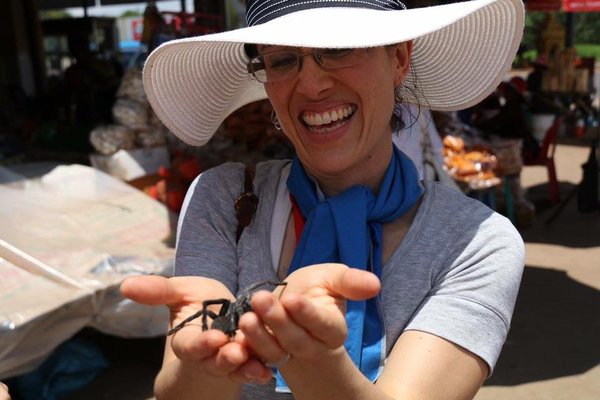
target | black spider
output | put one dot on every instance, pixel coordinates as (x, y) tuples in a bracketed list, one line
[(229, 315)]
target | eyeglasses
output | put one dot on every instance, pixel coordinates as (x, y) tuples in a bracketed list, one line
[(282, 65)]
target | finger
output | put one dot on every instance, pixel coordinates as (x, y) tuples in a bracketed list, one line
[(354, 284), (230, 357), (328, 327), (252, 371), (213, 349), (192, 344), (290, 336), (262, 342)]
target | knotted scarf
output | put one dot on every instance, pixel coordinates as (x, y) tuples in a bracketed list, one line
[(347, 228)]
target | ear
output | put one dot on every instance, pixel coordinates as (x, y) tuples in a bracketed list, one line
[(402, 55)]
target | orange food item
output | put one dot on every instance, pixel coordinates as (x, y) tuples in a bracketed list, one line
[(454, 143)]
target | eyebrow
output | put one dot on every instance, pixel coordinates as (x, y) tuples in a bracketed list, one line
[(261, 47)]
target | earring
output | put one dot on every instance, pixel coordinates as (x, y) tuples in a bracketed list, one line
[(398, 98), (275, 120)]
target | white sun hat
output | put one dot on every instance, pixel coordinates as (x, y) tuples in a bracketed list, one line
[(460, 54)]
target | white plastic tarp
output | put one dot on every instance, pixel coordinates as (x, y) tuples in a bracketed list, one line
[(68, 236)]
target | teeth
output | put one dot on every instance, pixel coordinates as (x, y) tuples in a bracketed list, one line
[(327, 117)]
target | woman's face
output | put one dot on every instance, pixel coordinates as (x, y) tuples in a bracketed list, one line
[(360, 100)]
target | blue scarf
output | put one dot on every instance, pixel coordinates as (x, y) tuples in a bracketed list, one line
[(346, 228)]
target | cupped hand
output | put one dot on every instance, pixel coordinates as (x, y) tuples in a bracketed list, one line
[(307, 317), (211, 352)]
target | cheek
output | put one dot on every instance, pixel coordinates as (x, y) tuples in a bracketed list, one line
[(380, 100), (278, 98)]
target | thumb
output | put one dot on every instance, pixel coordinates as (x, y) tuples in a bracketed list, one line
[(355, 284), (157, 290), (150, 290)]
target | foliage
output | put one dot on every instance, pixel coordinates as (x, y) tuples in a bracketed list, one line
[(533, 22), (587, 28), (588, 50), (54, 14), (131, 13), (586, 33)]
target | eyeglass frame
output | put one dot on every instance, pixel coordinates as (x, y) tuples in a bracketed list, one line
[(317, 55)]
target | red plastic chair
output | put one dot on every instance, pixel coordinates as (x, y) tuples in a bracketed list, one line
[(545, 158)]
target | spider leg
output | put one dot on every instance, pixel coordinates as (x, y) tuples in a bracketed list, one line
[(185, 321), (204, 313), (208, 313)]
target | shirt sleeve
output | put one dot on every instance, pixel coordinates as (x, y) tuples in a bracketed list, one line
[(206, 243), (472, 300)]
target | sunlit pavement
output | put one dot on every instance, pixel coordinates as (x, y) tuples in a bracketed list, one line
[(553, 348)]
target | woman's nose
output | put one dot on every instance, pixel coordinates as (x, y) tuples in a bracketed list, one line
[(312, 78)]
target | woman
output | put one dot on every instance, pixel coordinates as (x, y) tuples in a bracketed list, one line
[(395, 288)]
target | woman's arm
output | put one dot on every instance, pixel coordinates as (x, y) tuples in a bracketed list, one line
[(425, 366), (196, 364)]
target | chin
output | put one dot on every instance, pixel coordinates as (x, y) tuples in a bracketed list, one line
[(327, 165)]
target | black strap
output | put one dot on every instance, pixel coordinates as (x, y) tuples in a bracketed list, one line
[(246, 203)]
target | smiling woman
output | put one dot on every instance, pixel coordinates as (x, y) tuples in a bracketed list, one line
[(395, 287)]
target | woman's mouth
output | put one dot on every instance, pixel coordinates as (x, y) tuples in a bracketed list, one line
[(327, 121)]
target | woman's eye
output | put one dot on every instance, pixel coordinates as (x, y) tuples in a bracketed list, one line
[(336, 53), (281, 60)]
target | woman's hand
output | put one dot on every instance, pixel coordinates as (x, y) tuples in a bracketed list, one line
[(306, 318), (210, 353)]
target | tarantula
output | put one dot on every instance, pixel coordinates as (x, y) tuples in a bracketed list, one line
[(229, 315)]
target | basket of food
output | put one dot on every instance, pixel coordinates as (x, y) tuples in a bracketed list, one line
[(471, 167)]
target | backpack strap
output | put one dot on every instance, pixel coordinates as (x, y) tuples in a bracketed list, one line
[(246, 203)]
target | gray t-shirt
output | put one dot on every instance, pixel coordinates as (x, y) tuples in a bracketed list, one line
[(455, 274)]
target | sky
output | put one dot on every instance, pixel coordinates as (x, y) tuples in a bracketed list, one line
[(117, 10)]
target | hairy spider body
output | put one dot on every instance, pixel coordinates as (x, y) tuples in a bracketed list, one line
[(229, 314)]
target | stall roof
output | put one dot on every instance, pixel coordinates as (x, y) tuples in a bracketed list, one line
[(564, 5), (58, 4), (581, 5)]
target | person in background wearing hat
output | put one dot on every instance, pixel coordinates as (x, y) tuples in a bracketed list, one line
[(396, 288)]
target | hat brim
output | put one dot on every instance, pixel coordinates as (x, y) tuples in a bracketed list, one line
[(461, 52)]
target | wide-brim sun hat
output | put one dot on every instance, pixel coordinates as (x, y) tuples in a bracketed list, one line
[(461, 52)]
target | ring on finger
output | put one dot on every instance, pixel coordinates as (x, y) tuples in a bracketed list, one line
[(279, 363)]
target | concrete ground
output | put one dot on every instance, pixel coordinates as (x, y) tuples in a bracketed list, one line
[(553, 348)]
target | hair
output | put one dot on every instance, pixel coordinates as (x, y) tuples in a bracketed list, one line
[(403, 116), (251, 50)]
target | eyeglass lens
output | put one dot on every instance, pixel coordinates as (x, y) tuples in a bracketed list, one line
[(282, 65)]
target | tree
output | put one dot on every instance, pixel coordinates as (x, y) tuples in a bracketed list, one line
[(54, 14), (533, 22), (132, 13), (587, 28)]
